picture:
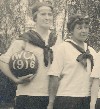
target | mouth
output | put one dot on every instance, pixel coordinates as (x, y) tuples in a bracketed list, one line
[(83, 35), (47, 22)]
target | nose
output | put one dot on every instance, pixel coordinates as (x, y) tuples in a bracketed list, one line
[(83, 29), (47, 16)]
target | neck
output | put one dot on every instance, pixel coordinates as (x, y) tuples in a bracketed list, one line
[(79, 43), (43, 32)]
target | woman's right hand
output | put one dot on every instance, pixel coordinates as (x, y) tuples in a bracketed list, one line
[(24, 79)]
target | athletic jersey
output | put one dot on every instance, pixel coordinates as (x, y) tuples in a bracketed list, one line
[(39, 85), (96, 71), (74, 78)]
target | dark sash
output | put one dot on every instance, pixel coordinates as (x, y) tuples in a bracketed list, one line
[(35, 39)]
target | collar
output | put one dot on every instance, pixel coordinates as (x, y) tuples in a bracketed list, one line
[(85, 45)]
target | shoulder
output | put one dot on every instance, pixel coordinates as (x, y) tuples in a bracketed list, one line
[(92, 51), (18, 43), (26, 33), (60, 46), (98, 56)]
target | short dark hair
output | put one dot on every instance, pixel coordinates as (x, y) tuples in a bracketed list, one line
[(37, 5), (76, 19)]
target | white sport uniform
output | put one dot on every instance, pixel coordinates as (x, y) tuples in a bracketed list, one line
[(96, 71), (74, 78), (39, 85)]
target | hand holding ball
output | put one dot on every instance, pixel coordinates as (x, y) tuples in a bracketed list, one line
[(23, 63)]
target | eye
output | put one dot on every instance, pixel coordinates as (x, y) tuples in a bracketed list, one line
[(50, 14), (43, 14), (86, 27), (80, 27)]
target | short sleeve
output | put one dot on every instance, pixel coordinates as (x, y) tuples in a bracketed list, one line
[(14, 47), (58, 61), (96, 69)]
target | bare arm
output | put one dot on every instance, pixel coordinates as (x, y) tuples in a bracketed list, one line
[(5, 69), (53, 87), (54, 73), (94, 93), (4, 62)]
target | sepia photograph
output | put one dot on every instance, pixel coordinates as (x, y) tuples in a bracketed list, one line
[(49, 54)]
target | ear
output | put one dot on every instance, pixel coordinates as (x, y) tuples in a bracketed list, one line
[(35, 17), (71, 33)]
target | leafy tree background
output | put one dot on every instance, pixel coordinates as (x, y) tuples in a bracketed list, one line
[(16, 18)]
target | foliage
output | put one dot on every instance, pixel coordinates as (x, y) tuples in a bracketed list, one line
[(8, 20), (12, 19), (90, 8), (15, 14)]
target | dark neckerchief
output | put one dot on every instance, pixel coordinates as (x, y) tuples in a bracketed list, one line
[(35, 39), (84, 54)]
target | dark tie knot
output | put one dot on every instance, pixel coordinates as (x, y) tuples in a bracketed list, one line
[(82, 58), (47, 47)]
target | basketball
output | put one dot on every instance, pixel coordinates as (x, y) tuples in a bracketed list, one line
[(23, 63)]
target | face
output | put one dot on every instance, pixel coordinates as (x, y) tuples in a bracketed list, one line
[(80, 32), (44, 17)]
